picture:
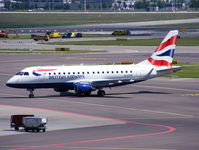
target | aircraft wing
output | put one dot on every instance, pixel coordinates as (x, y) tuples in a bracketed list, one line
[(100, 83)]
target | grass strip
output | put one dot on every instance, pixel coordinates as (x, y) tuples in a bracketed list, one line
[(28, 36), (189, 70), (42, 20), (42, 51), (136, 42), (185, 25)]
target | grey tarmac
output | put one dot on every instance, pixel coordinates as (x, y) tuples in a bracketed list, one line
[(158, 114)]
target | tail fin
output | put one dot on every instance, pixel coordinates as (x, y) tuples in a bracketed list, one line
[(163, 55)]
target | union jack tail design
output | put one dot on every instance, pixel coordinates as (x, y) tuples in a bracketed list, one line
[(163, 54)]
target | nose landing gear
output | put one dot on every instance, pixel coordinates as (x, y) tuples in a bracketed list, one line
[(31, 95)]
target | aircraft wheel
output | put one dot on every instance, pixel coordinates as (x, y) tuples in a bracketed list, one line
[(101, 93), (17, 128), (31, 96), (87, 93)]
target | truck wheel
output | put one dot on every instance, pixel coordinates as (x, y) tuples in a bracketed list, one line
[(26, 130), (31, 96), (44, 130)]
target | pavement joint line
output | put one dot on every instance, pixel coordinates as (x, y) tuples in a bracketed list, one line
[(196, 117), (125, 108), (116, 107), (167, 88), (110, 148), (83, 58), (26, 60), (5, 74)]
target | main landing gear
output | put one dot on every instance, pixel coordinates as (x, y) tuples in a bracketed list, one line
[(31, 95), (101, 93)]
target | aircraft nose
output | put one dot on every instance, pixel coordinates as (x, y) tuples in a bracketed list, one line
[(11, 82)]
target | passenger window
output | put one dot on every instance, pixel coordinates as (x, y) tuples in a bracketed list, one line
[(103, 72), (82, 72), (98, 72), (68, 72), (64, 73), (112, 71), (54, 73), (59, 73), (73, 72), (117, 72), (121, 71), (131, 71), (93, 72), (78, 73), (126, 71), (87, 72), (107, 71), (49, 73)]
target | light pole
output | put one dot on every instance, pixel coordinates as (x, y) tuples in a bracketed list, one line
[(85, 3)]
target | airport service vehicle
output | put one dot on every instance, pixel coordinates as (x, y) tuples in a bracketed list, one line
[(34, 124), (16, 121), (53, 34), (5, 34), (121, 32), (40, 37), (72, 35), (85, 79)]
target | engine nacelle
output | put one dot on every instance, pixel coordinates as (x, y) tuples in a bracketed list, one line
[(83, 88)]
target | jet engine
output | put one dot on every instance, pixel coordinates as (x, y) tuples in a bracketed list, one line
[(83, 88)]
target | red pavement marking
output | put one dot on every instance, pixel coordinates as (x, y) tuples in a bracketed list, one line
[(169, 130)]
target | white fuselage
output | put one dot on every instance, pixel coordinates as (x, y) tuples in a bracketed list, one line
[(51, 76)]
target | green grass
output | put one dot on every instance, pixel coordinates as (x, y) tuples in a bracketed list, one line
[(28, 36), (188, 71), (20, 36), (136, 42), (42, 51), (40, 20), (185, 25)]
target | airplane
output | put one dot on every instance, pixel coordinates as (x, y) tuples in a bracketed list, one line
[(85, 79)]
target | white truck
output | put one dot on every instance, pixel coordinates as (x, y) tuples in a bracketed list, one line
[(34, 123)]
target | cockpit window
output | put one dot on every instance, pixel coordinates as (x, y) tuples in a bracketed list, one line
[(22, 74), (26, 74)]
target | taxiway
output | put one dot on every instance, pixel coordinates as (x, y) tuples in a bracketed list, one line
[(159, 114)]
